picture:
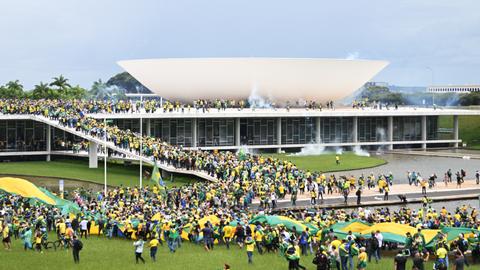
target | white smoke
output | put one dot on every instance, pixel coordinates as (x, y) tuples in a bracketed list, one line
[(352, 56), (244, 149), (311, 150), (357, 150), (257, 101), (382, 137), (339, 150)]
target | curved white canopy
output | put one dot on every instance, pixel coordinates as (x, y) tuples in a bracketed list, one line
[(279, 79)]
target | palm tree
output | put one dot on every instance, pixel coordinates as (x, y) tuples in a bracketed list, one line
[(14, 85), (41, 90), (13, 89), (61, 83), (97, 89)]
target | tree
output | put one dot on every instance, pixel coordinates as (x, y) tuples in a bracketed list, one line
[(382, 94), (41, 90), (13, 89), (472, 98), (75, 92), (101, 90), (61, 84)]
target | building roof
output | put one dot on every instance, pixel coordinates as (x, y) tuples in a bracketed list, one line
[(279, 79)]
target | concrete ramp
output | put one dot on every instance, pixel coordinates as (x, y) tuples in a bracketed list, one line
[(110, 145)]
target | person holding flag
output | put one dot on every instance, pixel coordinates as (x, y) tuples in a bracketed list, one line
[(158, 180)]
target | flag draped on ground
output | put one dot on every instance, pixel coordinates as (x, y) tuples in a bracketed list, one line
[(66, 206), (291, 224), (26, 189)]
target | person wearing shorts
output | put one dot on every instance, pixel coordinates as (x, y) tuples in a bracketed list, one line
[(6, 237)]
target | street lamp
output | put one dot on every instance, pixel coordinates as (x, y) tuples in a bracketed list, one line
[(105, 159), (141, 139)]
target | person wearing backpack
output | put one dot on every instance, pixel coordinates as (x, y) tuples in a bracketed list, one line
[(321, 260), (372, 248), (76, 247)]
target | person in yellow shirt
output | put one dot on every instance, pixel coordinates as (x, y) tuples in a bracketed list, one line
[(250, 245), (61, 227), (227, 235), (38, 241), (259, 240), (362, 259), (336, 243), (153, 244), (6, 236)]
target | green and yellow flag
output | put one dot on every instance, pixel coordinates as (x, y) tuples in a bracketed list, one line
[(156, 176)]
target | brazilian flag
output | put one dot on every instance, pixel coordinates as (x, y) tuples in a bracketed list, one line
[(156, 176)]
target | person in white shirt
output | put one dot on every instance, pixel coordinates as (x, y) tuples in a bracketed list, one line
[(139, 250), (83, 228), (379, 237)]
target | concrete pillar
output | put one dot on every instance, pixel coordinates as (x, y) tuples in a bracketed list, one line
[(355, 129), (92, 155), (318, 135), (390, 132), (149, 127), (49, 141), (194, 132), (424, 131), (455, 130), (237, 132), (279, 134)]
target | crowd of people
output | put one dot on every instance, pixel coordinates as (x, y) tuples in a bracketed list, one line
[(166, 106), (154, 217), (158, 214), (376, 105)]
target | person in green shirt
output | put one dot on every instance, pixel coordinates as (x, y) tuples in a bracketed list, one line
[(344, 251)]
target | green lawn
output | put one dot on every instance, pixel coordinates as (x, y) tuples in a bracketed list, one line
[(117, 173), (326, 163), (101, 253), (469, 129)]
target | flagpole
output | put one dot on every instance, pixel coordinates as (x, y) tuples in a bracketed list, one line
[(105, 158), (141, 147), (141, 138)]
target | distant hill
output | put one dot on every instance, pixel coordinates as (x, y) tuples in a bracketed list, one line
[(128, 83)]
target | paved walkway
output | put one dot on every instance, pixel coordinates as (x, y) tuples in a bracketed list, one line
[(372, 196), (471, 155)]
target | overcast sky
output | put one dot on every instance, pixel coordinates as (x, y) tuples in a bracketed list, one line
[(83, 39)]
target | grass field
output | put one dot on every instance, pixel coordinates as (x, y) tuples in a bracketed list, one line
[(101, 253), (326, 163), (469, 129), (117, 174)]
